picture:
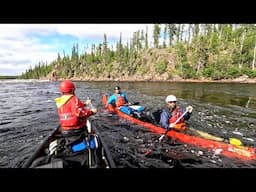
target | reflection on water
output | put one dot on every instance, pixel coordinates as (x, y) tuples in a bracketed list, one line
[(222, 94)]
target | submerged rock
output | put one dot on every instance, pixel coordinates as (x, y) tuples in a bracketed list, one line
[(125, 139)]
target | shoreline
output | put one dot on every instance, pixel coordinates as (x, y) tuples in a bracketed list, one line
[(245, 81), (177, 79)]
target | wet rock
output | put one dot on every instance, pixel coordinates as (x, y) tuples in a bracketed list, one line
[(213, 161), (142, 145), (141, 150), (139, 141), (150, 144), (217, 151), (125, 139)]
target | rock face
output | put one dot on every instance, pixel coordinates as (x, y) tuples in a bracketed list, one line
[(52, 76)]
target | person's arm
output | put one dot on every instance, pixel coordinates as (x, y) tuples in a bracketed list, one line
[(79, 110), (164, 119), (188, 114), (88, 104), (111, 100), (125, 98)]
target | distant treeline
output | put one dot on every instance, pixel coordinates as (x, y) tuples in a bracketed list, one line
[(190, 51), (9, 77)]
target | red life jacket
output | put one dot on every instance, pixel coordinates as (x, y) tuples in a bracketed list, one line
[(180, 125), (72, 113), (109, 106), (120, 101)]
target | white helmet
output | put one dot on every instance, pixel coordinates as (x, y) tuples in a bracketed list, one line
[(170, 98)]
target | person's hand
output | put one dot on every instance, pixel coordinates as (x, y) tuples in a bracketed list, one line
[(88, 102), (171, 125), (189, 109), (94, 110)]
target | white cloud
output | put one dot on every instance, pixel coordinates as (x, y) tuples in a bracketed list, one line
[(98, 30), (21, 46), (18, 54)]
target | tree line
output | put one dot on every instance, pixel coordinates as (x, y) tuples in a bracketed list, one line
[(214, 51)]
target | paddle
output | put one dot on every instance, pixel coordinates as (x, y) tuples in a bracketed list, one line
[(90, 105), (162, 136), (233, 141), (88, 124)]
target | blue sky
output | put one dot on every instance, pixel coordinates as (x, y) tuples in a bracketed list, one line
[(24, 45)]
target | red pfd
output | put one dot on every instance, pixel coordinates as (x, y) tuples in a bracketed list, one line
[(180, 125), (68, 119), (120, 101)]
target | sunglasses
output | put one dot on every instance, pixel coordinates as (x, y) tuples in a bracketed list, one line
[(171, 101)]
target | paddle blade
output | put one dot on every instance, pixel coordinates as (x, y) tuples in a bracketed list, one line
[(235, 141)]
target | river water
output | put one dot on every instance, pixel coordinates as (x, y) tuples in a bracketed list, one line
[(28, 114)]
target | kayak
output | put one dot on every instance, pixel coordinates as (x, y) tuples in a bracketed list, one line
[(226, 149), (91, 154)]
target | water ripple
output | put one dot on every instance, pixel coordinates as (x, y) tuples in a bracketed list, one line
[(28, 114)]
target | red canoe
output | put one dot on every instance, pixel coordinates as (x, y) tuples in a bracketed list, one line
[(228, 150)]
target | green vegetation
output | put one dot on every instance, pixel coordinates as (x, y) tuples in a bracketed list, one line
[(9, 77), (191, 51), (41, 70), (160, 67)]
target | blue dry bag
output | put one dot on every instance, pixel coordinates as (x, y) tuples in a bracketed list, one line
[(79, 147), (127, 110)]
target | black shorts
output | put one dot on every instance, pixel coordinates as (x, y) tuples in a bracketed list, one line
[(73, 132)]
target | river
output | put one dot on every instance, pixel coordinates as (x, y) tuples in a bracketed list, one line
[(28, 114)]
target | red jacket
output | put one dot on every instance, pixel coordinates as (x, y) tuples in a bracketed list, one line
[(72, 113)]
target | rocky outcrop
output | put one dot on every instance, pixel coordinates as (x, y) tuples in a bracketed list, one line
[(52, 76)]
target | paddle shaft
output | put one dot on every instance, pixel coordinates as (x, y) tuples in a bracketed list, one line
[(90, 105), (232, 141), (203, 134), (162, 136)]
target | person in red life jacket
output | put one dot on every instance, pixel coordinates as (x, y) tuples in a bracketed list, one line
[(72, 111), (172, 113), (118, 99)]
